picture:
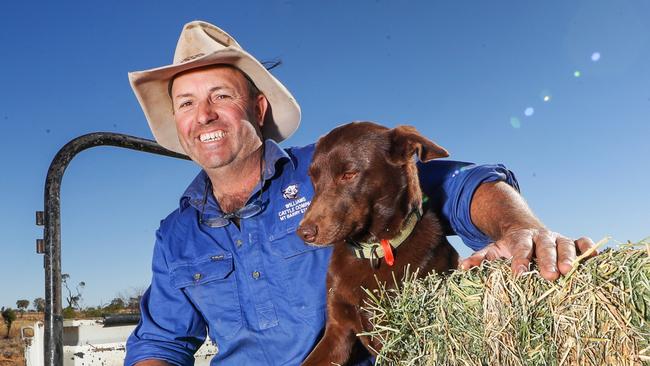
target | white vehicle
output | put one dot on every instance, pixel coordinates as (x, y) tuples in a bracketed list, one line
[(93, 342)]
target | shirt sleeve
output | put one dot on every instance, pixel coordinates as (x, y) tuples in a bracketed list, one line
[(450, 186), (170, 328)]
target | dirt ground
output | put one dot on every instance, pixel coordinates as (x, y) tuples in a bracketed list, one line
[(11, 349)]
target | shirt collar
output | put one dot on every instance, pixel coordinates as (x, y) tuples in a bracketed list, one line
[(273, 153)]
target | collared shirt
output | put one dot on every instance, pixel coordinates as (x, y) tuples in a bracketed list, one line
[(259, 290)]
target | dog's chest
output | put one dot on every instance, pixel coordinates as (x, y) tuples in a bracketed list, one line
[(349, 276)]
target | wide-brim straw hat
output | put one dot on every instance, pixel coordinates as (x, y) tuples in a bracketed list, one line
[(202, 44)]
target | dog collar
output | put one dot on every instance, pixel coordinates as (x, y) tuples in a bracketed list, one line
[(384, 248)]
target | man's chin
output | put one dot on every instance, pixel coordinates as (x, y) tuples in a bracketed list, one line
[(213, 159), (217, 164), (212, 162)]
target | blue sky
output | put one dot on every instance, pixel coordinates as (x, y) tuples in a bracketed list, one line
[(471, 75)]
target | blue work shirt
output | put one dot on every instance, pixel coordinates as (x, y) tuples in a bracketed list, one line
[(259, 290)]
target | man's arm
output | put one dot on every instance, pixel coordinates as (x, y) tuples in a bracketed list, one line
[(482, 205), (170, 330), (499, 211)]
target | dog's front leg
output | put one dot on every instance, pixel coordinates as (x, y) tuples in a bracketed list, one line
[(336, 344)]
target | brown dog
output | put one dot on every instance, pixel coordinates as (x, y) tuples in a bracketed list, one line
[(368, 201)]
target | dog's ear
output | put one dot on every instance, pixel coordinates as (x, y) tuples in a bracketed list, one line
[(406, 141)]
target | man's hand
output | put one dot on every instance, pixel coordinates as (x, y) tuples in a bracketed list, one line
[(554, 252), (500, 212)]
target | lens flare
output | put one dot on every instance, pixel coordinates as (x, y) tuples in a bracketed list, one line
[(595, 56), (547, 98), (514, 122), (577, 73), (529, 111)]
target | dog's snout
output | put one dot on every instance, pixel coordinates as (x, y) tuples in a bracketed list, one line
[(308, 232)]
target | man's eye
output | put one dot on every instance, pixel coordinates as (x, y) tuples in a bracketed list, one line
[(221, 97), (185, 104)]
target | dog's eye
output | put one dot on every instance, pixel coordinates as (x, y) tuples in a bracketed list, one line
[(348, 175)]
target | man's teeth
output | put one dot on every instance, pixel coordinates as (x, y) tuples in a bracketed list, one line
[(212, 136)]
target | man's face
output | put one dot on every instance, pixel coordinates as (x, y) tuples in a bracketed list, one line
[(216, 119)]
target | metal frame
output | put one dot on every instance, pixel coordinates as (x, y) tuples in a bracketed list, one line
[(50, 218)]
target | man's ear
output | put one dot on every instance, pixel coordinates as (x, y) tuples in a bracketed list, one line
[(406, 141), (261, 107)]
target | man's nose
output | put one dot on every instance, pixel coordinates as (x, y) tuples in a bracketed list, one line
[(206, 113)]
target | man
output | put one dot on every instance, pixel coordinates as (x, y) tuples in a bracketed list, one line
[(228, 260)]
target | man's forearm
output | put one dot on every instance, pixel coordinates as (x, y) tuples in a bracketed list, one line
[(497, 208)]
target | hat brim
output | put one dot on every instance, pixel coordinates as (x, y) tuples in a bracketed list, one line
[(151, 89)]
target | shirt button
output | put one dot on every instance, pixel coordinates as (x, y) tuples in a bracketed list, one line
[(197, 276), (256, 275), (238, 242)]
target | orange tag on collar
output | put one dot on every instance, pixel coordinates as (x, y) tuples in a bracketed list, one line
[(388, 252)]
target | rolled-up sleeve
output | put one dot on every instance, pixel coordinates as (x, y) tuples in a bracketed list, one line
[(170, 328), (450, 186)]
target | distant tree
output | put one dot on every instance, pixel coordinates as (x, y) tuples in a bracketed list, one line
[(132, 297), (22, 305), (134, 303), (72, 298), (116, 304), (8, 315), (69, 313), (39, 304), (93, 312)]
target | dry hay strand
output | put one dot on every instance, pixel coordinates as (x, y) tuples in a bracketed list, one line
[(599, 314)]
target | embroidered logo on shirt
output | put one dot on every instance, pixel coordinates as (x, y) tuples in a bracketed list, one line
[(294, 208), (291, 192)]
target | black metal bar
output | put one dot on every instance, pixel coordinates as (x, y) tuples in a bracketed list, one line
[(53, 355), (121, 319)]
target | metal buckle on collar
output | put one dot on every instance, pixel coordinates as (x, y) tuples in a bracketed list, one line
[(374, 258)]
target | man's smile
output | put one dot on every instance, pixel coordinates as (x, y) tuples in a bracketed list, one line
[(212, 136)]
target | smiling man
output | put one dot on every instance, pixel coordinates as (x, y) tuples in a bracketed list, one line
[(228, 262)]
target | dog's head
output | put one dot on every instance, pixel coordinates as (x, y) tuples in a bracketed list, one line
[(365, 182)]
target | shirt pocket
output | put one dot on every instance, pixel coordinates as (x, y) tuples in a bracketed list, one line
[(304, 269), (211, 285)]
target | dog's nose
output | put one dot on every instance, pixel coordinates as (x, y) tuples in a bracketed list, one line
[(308, 232)]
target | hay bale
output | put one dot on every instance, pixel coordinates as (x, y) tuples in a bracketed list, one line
[(597, 315)]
